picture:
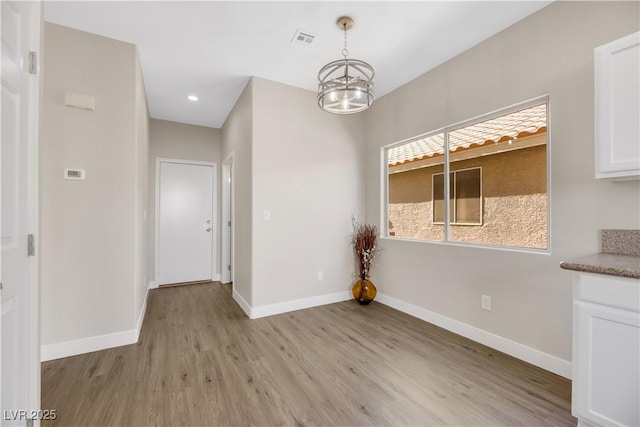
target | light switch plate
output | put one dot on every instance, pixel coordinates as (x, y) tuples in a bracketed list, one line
[(485, 302), (266, 215)]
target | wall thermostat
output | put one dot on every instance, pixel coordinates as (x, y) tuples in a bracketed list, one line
[(77, 174)]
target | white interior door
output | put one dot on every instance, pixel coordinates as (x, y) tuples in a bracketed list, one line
[(186, 222), (19, 351)]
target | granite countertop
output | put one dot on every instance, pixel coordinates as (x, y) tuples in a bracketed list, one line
[(603, 263), (620, 255)]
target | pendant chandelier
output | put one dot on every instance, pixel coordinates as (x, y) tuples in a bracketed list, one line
[(345, 86)]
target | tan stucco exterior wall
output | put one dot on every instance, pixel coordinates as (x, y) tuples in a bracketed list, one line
[(514, 199)]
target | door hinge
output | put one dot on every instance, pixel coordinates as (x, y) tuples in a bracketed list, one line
[(33, 62), (229, 267), (31, 245), (229, 223)]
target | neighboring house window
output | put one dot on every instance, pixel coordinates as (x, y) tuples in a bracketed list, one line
[(465, 197), (497, 180)]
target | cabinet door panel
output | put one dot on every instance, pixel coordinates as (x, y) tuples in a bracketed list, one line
[(617, 107), (606, 359)]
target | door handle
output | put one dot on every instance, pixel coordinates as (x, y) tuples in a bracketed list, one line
[(208, 229)]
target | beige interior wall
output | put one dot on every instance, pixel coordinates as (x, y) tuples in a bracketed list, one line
[(237, 134), (183, 142), (548, 53), (309, 174), (88, 228), (142, 191)]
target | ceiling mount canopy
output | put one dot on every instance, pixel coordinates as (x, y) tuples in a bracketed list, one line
[(345, 86)]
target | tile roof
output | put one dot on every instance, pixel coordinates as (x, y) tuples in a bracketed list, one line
[(511, 126)]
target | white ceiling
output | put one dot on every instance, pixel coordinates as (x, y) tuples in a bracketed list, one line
[(211, 48)]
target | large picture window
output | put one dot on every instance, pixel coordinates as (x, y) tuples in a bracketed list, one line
[(480, 182)]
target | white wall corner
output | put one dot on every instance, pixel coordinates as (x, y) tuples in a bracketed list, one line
[(152, 284), (96, 343), (87, 345), (141, 315), (520, 351), (299, 304), (216, 278), (244, 305)]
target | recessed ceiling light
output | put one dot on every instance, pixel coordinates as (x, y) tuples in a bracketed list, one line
[(192, 98)]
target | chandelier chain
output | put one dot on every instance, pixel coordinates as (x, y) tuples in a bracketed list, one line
[(345, 52)]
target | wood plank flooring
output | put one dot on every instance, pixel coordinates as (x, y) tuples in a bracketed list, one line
[(200, 361)]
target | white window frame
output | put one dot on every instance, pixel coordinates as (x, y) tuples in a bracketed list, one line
[(384, 179)]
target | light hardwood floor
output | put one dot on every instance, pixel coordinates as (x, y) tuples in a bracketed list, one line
[(200, 361)]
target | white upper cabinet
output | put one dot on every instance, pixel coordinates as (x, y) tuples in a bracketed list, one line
[(617, 108)]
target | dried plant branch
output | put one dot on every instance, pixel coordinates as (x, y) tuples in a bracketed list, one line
[(364, 245)]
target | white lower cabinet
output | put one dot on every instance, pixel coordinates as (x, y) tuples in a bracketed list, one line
[(606, 350)]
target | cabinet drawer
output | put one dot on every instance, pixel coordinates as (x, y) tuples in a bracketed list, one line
[(608, 290)]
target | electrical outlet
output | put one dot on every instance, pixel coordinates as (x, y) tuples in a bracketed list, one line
[(320, 275), (485, 302)]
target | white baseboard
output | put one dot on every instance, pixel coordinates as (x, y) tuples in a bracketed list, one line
[(87, 345), (215, 278), (287, 306), (520, 351), (299, 304), (96, 343)]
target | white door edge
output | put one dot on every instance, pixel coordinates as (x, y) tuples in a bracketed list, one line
[(33, 369), (33, 208), (227, 232)]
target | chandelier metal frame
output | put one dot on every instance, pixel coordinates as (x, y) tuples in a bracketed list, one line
[(345, 86)]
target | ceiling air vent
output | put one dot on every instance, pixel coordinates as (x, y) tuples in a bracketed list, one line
[(303, 38)]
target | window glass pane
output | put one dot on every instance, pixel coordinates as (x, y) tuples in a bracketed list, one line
[(467, 196), (509, 208), (497, 182), (438, 198), (410, 208)]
